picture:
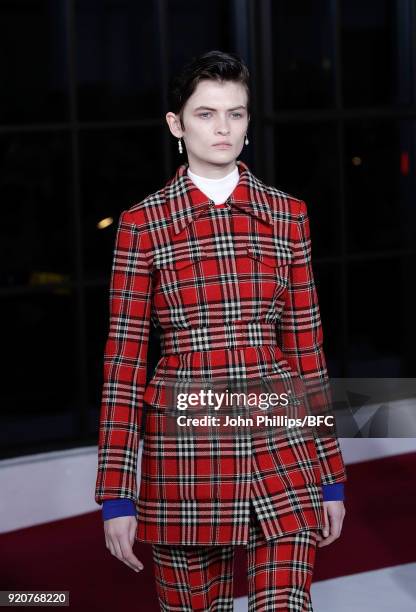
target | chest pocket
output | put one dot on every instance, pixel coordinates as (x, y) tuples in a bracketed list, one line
[(271, 263), (178, 278), (178, 258)]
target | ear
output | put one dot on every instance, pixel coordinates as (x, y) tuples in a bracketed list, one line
[(174, 124)]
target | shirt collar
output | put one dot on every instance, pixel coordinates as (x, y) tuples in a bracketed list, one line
[(186, 202)]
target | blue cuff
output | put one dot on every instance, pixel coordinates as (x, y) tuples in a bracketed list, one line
[(113, 508), (333, 492)]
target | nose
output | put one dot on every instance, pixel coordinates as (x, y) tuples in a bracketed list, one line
[(223, 131), (222, 126)]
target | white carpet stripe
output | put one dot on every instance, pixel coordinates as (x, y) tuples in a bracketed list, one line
[(45, 487), (384, 590)]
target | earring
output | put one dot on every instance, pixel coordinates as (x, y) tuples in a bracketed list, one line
[(246, 140), (180, 146)]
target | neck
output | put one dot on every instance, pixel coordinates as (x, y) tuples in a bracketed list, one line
[(211, 171)]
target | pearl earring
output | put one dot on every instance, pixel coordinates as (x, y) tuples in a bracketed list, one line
[(180, 146), (246, 140)]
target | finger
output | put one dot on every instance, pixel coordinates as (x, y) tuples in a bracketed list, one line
[(127, 551), (325, 541), (117, 548), (133, 562), (325, 530), (331, 538), (116, 551), (128, 555), (111, 546)]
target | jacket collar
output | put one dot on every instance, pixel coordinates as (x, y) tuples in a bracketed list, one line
[(186, 202)]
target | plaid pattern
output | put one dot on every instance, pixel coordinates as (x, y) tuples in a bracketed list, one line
[(216, 280), (199, 578), (228, 336)]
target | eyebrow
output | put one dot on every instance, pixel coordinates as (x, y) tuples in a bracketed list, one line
[(213, 109)]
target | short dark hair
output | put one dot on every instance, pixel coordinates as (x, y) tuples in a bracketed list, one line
[(213, 65)]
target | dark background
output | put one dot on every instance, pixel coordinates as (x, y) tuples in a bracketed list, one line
[(83, 136)]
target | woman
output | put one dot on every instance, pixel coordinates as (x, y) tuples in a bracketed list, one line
[(220, 263)]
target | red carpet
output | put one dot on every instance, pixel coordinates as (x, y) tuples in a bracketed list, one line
[(71, 555), (378, 529)]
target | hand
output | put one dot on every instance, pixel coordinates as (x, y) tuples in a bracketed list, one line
[(119, 538), (334, 512)]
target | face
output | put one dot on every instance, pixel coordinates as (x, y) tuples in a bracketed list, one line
[(215, 113)]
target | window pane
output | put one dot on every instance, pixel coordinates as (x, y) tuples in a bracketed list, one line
[(118, 169), (35, 190), (118, 55), (97, 309), (369, 43), (303, 54), (377, 325), (378, 191), (33, 61), (199, 26), (40, 386), (328, 279), (306, 162)]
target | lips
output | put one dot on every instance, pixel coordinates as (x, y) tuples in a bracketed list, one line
[(222, 144)]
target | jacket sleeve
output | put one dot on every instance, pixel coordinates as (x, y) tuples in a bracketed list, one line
[(300, 336), (125, 365)]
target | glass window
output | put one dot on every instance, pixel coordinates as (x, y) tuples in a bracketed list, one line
[(118, 55), (97, 320), (368, 46), (33, 61), (306, 162), (302, 50), (195, 28), (118, 169), (376, 326), (328, 280), (37, 236), (376, 175), (40, 375)]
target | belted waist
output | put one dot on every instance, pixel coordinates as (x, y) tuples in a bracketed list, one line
[(235, 334)]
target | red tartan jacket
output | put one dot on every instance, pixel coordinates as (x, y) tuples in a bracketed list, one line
[(231, 289)]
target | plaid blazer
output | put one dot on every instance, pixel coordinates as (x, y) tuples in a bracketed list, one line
[(232, 292)]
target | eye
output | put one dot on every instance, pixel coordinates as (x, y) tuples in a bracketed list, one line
[(237, 114), (203, 114)]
